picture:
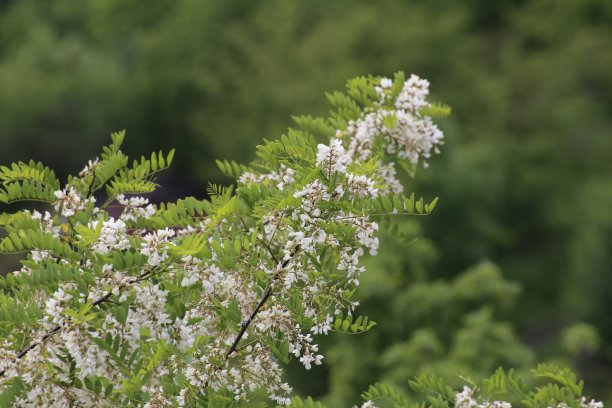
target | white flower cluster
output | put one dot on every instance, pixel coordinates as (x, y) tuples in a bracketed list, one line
[(332, 158), (583, 404), (113, 236), (405, 130), (303, 348), (367, 404), (135, 208), (413, 95), (149, 314), (89, 168), (361, 186), (283, 177), (89, 359), (466, 399), (46, 222), (310, 232), (46, 387), (69, 201), (54, 304), (323, 327), (154, 246)]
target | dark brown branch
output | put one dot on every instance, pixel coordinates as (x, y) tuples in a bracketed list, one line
[(269, 250), (245, 325), (93, 180), (50, 333), (267, 246)]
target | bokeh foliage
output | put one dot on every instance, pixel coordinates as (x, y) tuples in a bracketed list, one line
[(525, 181)]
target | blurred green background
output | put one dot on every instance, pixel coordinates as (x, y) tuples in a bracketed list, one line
[(515, 265)]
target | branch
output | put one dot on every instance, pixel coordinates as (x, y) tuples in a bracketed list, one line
[(262, 301), (25, 351), (247, 323), (93, 179)]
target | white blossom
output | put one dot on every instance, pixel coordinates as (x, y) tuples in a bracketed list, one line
[(89, 168), (332, 158), (46, 222), (466, 399), (54, 305), (361, 186), (590, 404), (406, 132), (413, 95), (283, 177), (154, 246), (88, 357), (323, 327), (69, 201), (367, 404), (135, 208), (112, 236)]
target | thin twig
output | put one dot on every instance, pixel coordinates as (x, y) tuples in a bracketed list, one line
[(93, 180), (276, 227)]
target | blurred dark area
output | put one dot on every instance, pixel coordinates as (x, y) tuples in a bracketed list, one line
[(524, 180)]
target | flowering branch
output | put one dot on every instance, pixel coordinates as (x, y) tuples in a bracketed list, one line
[(297, 225)]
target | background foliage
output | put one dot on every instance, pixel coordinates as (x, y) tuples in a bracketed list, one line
[(525, 181)]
